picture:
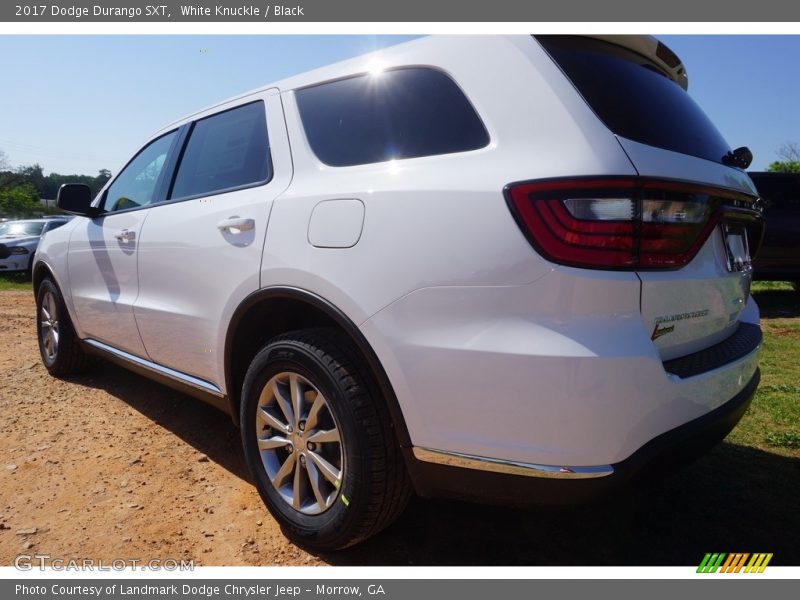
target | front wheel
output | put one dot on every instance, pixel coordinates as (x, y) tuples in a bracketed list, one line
[(59, 346), (319, 443)]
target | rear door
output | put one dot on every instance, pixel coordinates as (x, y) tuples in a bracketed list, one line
[(696, 278), (103, 251), (200, 251)]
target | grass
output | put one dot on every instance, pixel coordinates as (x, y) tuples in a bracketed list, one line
[(772, 423), (15, 282)]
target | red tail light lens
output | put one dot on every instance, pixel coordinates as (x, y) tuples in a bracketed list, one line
[(622, 223)]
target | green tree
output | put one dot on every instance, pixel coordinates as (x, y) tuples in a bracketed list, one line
[(784, 166), (19, 201), (789, 154)]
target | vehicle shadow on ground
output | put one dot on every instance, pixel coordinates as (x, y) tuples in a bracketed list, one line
[(735, 499), (778, 304), (203, 427)]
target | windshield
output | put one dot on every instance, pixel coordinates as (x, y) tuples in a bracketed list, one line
[(21, 228), (634, 98)]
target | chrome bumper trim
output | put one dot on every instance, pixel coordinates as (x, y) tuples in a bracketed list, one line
[(156, 368), (509, 467)]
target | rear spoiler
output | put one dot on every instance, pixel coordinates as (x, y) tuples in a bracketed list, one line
[(655, 51)]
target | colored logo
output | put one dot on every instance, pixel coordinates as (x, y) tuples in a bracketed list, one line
[(661, 330), (734, 563)]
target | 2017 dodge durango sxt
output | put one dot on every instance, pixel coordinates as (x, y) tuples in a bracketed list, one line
[(512, 269)]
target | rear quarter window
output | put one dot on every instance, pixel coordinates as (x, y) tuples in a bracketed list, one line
[(399, 113)]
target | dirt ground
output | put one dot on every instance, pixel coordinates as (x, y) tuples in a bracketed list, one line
[(114, 466), (111, 465)]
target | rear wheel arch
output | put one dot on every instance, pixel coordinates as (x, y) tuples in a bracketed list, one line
[(273, 311)]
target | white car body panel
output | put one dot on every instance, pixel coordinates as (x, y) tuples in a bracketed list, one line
[(491, 350), (571, 388)]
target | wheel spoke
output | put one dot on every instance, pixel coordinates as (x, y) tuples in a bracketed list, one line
[(273, 442), (330, 435), (313, 479), (296, 499), (51, 306), (313, 413), (328, 471), (45, 325), (45, 312), (54, 332), (284, 471), (282, 403), (269, 420), (296, 390), (48, 344)]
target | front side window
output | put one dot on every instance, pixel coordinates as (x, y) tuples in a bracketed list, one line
[(227, 150), (137, 184), (400, 113)]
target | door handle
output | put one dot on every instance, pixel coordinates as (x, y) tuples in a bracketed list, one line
[(236, 224), (126, 235)]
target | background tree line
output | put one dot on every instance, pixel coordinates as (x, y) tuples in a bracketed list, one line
[(22, 189), (789, 154)]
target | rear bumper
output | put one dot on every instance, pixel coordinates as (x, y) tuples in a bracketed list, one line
[(487, 480), (560, 372)]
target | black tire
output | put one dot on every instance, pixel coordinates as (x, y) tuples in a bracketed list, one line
[(66, 357), (374, 486)]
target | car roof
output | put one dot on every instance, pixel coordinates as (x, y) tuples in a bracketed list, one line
[(409, 53)]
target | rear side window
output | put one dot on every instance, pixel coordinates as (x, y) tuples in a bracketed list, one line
[(634, 99), (401, 113), (225, 151)]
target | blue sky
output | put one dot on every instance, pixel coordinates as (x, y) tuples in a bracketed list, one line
[(76, 104)]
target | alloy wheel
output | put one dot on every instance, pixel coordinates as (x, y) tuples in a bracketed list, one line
[(299, 442)]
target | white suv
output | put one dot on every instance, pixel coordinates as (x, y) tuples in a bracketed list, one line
[(511, 269)]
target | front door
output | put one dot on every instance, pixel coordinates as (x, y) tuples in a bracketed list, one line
[(103, 252)]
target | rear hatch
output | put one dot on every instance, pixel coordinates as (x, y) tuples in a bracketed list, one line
[(692, 215)]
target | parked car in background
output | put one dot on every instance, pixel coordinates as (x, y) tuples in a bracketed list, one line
[(19, 240), (507, 269), (779, 256)]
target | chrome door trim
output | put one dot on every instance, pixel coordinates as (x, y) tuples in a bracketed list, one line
[(179, 376)]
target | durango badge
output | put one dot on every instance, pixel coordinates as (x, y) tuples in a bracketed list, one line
[(661, 329)]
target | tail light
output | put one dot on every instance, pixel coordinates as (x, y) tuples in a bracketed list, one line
[(624, 223)]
